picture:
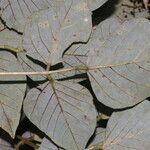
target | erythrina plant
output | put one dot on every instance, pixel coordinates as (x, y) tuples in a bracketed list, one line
[(75, 68)]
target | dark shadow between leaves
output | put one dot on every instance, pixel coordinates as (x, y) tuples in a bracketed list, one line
[(43, 65), (6, 137), (11, 29), (33, 84), (25, 126), (126, 108), (74, 43), (13, 82), (7, 50), (77, 76), (104, 11), (99, 106), (91, 139)]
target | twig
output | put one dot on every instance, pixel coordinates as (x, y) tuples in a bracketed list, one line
[(62, 70)]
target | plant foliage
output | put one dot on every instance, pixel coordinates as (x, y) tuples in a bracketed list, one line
[(74, 68)]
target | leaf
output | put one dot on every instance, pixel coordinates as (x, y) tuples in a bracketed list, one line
[(105, 29), (4, 145), (10, 39), (49, 33), (77, 54), (31, 65), (121, 76), (15, 12), (94, 4), (64, 111), (129, 129), (48, 145), (100, 137), (12, 90)]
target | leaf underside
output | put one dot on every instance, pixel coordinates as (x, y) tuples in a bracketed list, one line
[(122, 77), (129, 129), (64, 111), (48, 145), (11, 93)]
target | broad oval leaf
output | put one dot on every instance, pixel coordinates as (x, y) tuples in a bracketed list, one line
[(12, 90), (119, 68), (10, 39), (94, 4), (48, 145), (64, 111), (129, 129), (49, 32)]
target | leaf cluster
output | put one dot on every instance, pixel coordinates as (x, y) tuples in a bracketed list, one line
[(82, 86)]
